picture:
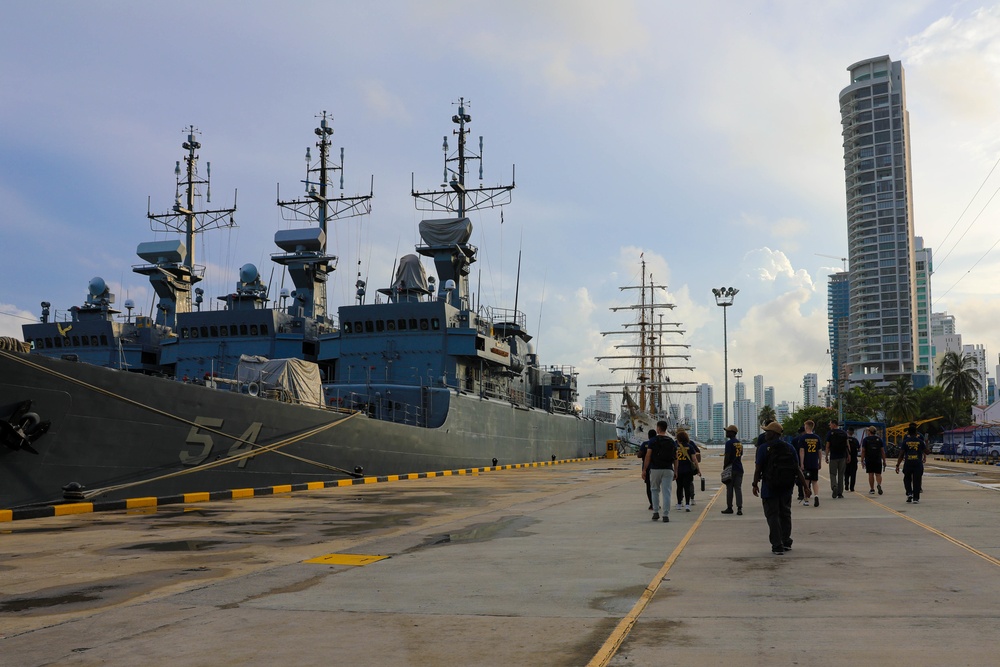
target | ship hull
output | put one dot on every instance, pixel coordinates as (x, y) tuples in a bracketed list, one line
[(111, 428)]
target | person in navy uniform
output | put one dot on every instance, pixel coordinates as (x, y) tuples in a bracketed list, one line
[(777, 502), (873, 450), (912, 454), (837, 457), (854, 453), (808, 446), (733, 456), (687, 467), (660, 468), (642, 457)]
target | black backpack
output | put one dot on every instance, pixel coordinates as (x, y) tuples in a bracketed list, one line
[(781, 468), (664, 452)]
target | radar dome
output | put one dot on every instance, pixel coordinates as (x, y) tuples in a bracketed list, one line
[(248, 273), (97, 286)]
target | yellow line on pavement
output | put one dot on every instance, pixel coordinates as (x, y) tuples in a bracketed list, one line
[(958, 543), (621, 631)]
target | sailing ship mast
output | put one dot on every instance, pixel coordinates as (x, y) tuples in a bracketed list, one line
[(651, 384)]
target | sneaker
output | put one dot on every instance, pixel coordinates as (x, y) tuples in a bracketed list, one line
[(777, 551), (655, 516), (788, 547), (687, 508), (739, 511), (680, 506), (872, 492), (728, 510), (815, 501), (666, 519), (841, 496), (915, 501), (909, 499), (880, 489), (805, 503)]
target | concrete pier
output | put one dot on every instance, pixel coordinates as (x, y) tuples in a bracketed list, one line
[(556, 565)]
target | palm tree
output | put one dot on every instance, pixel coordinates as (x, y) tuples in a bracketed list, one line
[(959, 377), (901, 401), (766, 415)]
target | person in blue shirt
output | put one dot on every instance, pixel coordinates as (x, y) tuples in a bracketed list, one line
[(912, 454), (687, 467), (733, 456), (777, 502)]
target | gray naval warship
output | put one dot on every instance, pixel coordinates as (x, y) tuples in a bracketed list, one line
[(262, 391)]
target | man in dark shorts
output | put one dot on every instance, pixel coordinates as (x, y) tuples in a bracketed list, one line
[(873, 451), (808, 446)]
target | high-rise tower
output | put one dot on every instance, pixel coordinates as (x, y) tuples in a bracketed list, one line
[(879, 222)]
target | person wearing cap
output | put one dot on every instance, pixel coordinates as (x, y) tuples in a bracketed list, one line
[(733, 456), (873, 460), (912, 454), (777, 502), (808, 446)]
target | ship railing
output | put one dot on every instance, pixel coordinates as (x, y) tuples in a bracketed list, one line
[(382, 408)]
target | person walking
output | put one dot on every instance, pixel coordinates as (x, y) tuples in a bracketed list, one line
[(777, 467), (913, 455), (733, 459), (687, 466), (837, 457), (660, 467), (808, 446), (642, 457), (854, 452), (873, 450)]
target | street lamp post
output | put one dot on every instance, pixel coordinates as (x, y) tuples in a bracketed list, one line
[(738, 374), (724, 297)]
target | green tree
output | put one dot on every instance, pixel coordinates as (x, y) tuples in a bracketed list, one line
[(821, 417), (959, 377), (766, 415), (901, 401)]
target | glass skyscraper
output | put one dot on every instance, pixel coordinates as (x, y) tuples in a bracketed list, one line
[(875, 129)]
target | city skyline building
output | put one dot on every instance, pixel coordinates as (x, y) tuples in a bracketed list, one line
[(769, 396), (838, 291), (703, 408), (978, 354), (758, 390), (923, 270), (880, 238), (810, 390)]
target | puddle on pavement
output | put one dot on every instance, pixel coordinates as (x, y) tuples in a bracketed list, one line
[(23, 604), (178, 545), (483, 532)]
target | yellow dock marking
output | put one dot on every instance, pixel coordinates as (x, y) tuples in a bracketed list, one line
[(956, 542), (345, 559), (621, 631)]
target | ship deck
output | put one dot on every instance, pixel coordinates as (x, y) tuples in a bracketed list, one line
[(549, 565)]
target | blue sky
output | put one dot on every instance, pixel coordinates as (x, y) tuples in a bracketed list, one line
[(704, 136)]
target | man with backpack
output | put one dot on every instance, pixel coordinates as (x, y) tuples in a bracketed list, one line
[(777, 466), (660, 467)]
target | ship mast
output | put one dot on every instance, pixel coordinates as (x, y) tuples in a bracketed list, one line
[(305, 255), (172, 270), (648, 351)]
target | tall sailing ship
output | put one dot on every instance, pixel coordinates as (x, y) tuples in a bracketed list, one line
[(652, 356), (267, 391)]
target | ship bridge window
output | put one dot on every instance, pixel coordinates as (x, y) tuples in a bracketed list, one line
[(435, 324), (76, 341), (58, 341), (413, 323), (84, 340), (243, 330), (104, 339), (194, 332), (224, 331), (348, 328), (423, 324), (263, 330), (214, 331), (47, 343), (184, 333), (369, 326), (253, 329), (204, 332), (358, 327), (379, 325), (390, 325), (401, 324)]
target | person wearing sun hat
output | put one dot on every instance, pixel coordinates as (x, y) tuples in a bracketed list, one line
[(733, 456)]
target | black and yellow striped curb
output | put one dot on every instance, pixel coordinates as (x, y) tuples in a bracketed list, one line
[(65, 509)]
